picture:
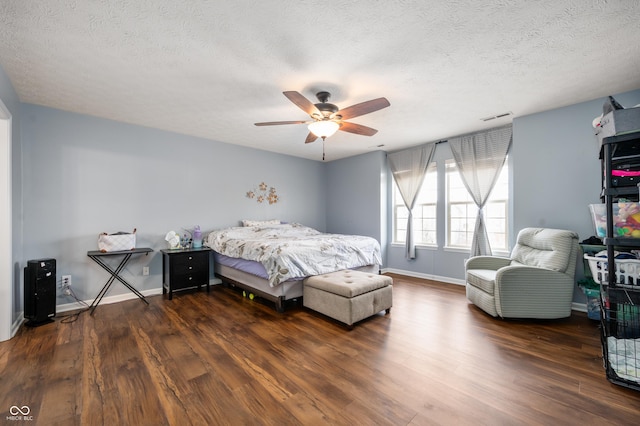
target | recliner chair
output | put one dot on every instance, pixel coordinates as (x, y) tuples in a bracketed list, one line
[(536, 281)]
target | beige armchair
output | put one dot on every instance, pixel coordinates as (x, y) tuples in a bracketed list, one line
[(536, 281)]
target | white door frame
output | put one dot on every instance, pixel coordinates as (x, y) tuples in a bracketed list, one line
[(6, 241)]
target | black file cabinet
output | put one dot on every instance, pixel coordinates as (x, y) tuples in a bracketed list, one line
[(185, 268)]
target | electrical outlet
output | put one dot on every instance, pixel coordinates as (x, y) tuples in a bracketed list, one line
[(145, 270), (66, 284), (66, 281)]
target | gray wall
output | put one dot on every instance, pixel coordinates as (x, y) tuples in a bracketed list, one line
[(356, 189), (556, 166), (84, 175)]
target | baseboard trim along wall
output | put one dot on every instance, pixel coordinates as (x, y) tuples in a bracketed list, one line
[(16, 324), (118, 298), (424, 276)]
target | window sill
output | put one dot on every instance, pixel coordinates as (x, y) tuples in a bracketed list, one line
[(456, 249), (498, 253), (418, 246)]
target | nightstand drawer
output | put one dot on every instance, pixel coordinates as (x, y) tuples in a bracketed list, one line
[(189, 261), (192, 279), (179, 268)]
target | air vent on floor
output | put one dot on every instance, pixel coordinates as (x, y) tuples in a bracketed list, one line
[(493, 117)]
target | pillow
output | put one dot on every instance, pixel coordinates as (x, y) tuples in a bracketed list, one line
[(260, 222)]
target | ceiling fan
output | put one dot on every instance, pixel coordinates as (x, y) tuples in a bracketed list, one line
[(327, 118)]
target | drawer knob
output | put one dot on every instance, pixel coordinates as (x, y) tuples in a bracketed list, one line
[(190, 257)]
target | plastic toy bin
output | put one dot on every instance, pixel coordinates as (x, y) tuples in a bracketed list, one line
[(626, 219)]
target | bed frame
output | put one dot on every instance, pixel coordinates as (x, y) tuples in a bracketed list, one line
[(288, 290)]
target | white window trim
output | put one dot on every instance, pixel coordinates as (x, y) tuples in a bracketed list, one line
[(459, 249), (432, 168)]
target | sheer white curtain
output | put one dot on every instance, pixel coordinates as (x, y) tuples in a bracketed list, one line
[(480, 158), (409, 167)]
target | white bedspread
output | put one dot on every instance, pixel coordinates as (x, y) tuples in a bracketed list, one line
[(295, 251)]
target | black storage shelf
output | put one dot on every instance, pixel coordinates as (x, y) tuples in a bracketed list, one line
[(619, 192), (625, 242), (623, 146), (619, 303)]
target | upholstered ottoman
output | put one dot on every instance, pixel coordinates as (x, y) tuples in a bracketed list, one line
[(348, 296)]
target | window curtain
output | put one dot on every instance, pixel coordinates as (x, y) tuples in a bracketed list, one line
[(480, 158), (409, 167)]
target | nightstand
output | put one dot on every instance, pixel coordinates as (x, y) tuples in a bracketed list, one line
[(185, 268)]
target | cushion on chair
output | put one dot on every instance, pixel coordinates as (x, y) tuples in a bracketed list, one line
[(484, 279), (544, 248)]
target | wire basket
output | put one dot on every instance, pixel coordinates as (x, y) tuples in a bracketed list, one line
[(620, 333)]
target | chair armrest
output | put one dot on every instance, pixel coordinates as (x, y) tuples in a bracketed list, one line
[(530, 273), (530, 292), (520, 280), (492, 263)]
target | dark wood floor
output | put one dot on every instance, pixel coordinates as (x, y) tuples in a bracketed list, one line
[(220, 359)]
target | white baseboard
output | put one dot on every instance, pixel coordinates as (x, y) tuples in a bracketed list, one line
[(107, 300), (118, 298), (424, 276), (579, 307), (16, 324)]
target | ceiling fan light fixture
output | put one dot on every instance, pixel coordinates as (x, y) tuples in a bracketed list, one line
[(324, 128)]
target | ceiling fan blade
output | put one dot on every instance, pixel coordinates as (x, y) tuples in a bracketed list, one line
[(358, 129), (275, 123), (305, 104), (310, 138), (363, 108)]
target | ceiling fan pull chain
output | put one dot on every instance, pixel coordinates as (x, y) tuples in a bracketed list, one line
[(322, 149)]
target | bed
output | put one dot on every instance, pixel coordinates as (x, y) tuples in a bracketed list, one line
[(271, 260)]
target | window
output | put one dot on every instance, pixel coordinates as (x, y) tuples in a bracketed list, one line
[(424, 211), (462, 211)]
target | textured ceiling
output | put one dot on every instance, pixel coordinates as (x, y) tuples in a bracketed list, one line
[(213, 68)]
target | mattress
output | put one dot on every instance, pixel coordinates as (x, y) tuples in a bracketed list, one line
[(249, 266), (287, 252)]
